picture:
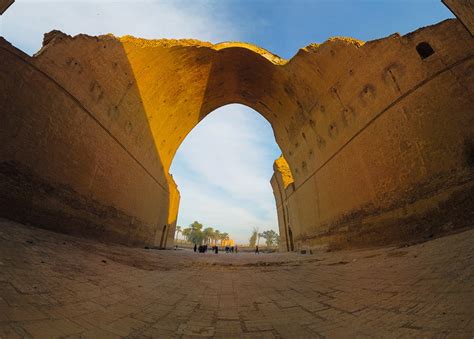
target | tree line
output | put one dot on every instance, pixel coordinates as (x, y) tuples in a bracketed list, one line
[(197, 234), (271, 238)]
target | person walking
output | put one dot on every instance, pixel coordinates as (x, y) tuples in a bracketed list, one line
[(256, 250), (195, 248)]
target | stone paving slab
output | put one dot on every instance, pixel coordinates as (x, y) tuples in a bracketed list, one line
[(57, 286)]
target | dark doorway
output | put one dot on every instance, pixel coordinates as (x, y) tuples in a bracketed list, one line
[(290, 235), (163, 238)]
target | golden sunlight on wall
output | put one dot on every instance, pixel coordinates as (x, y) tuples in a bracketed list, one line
[(376, 136)]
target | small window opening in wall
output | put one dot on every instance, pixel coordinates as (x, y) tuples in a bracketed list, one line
[(424, 50)]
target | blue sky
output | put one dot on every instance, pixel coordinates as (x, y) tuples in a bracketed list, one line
[(224, 166)]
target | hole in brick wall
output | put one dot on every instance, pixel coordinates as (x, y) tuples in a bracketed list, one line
[(424, 49)]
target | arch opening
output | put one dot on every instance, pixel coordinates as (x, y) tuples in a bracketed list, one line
[(223, 169)]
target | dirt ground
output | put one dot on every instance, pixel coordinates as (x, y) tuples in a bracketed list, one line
[(53, 285)]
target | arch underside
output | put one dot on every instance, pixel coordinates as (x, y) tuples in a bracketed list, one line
[(378, 139)]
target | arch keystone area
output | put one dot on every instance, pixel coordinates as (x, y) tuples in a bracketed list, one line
[(377, 140)]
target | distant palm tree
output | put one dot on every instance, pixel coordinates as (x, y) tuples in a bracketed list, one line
[(208, 234), (224, 237), (186, 233), (217, 236), (253, 237), (258, 238), (178, 231)]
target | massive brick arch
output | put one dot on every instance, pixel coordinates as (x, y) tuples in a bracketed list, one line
[(377, 135)]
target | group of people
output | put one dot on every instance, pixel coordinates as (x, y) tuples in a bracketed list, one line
[(231, 249), (215, 249)]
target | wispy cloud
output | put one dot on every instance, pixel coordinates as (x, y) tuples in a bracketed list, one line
[(223, 169), (27, 20)]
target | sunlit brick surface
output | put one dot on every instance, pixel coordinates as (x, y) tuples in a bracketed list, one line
[(53, 285)]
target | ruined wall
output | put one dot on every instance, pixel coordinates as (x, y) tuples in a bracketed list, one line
[(62, 169), (377, 135), (394, 143), (283, 184), (174, 199), (464, 11)]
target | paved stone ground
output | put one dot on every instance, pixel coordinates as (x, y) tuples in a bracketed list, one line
[(53, 285)]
